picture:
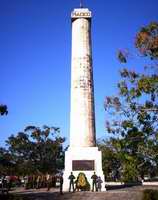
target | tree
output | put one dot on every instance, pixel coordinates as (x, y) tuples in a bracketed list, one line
[(6, 162), (110, 160), (37, 150), (147, 40), (134, 111)]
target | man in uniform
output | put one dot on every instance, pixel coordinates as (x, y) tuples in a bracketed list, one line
[(61, 183), (71, 178), (94, 178)]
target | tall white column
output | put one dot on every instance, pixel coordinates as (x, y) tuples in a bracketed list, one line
[(82, 119)]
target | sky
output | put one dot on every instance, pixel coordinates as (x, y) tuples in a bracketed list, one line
[(35, 56)]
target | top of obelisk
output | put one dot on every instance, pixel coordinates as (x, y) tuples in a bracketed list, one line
[(81, 12)]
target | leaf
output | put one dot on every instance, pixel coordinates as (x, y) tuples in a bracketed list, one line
[(121, 57)]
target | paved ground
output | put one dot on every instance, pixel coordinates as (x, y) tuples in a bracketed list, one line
[(88, 196), (133, 193)]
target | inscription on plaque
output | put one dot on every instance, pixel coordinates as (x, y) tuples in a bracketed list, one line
[(81, 14), (83, 165)]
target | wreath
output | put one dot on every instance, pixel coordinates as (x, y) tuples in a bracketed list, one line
[(82, 182)]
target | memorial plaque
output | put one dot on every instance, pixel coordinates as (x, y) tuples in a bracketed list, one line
[(83, 14), (83, 165)]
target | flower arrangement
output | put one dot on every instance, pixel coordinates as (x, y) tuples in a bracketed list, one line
[(82, 182)]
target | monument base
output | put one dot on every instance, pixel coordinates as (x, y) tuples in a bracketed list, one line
[(83, 159)]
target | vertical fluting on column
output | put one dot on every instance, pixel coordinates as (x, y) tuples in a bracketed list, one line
[(82, 117)]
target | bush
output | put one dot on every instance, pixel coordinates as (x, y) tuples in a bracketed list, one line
[(150, 195)]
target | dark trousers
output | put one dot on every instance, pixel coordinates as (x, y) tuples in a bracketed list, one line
[(61, 188), (94, 184), (71, 184), (48, 185)]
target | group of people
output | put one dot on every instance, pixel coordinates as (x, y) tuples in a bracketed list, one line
[(96, 183), (48, 181), (6, 182), (40, 181)]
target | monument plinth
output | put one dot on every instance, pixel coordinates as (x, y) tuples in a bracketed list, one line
[(82, 155)]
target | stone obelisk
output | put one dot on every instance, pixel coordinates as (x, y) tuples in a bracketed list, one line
[(82, 155)]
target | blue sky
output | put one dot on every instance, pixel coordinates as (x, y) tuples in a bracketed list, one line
[(35, 53)]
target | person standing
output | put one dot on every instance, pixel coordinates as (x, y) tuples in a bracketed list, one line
[(48, 181), (99, 183), (38, 182), (61, 183), (71, 178), (26, 181), (33, 181), (94, 178)]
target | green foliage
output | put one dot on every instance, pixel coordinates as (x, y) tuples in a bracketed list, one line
[(3, 110), (150, 194), (133, 115), (36, 151), (147, 40), (6, 162), (110, 160), (130, 172), (121, 57)]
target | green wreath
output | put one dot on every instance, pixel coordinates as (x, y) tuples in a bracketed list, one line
[(82, 182)]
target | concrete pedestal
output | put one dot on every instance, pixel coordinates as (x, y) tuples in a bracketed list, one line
[(83, 153)]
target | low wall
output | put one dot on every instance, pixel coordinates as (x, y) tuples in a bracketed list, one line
[(150, 183), (114, 183)]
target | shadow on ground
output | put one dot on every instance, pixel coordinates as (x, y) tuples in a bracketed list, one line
[(40, 196)]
